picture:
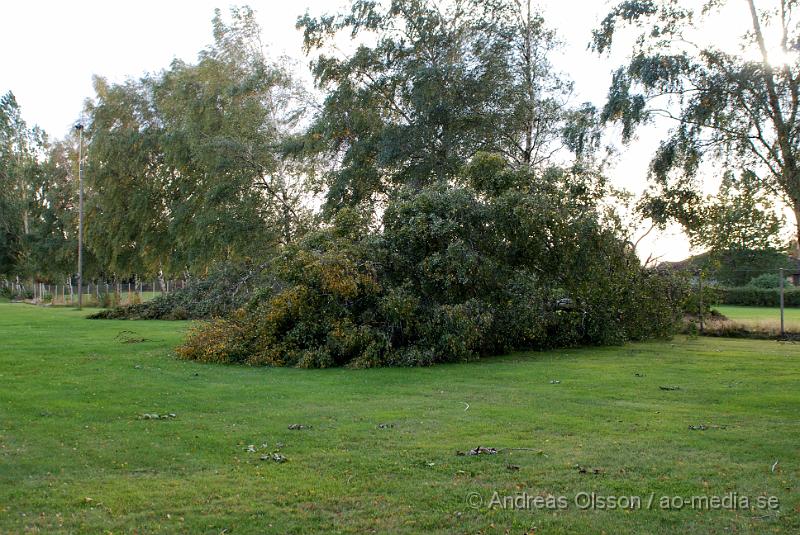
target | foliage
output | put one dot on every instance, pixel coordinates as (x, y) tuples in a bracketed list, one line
[(11, 203), (739, 111), (227, 287), (185, 167), (766, 280), (38, 223), (740, 217), (428, 86), (444, 126), (110, 300), (52, 240), (735, 267), (453, 274), (698, 301), (759, 297)]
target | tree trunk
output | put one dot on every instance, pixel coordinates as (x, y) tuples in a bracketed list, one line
[(528, 55)]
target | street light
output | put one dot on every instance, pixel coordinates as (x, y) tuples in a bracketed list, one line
[(79, 128)]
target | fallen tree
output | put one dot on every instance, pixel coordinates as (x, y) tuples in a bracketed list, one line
[(226, 288), (453, 273)]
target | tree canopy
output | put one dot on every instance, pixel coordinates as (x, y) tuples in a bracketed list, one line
[(12, 196), (38, 233), (185, 167), (739, 108), (428, 86)]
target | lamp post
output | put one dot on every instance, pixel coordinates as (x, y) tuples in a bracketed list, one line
[(79, 128)]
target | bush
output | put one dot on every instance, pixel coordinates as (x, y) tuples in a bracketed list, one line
[(454, 274), (109, 300), (712, 295), (766, 280), (220, 340)]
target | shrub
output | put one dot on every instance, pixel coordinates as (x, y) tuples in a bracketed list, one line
[(454, 274), (220, 340), (712, 295), (766, 280), (109, 300)]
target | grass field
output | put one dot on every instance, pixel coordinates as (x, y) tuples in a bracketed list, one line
[(76, 455), (762, 319), (741, 313)]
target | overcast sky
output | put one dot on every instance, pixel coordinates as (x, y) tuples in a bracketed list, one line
[(51, 50)]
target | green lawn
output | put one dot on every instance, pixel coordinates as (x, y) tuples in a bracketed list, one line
[(762, 317), (740, 313), (75, 455)]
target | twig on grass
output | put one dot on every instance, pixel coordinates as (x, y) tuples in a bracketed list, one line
[(480, 450)]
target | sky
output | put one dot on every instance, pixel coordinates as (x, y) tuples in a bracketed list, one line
[(52, 49)]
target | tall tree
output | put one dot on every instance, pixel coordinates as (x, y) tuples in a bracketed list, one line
[(38, 222), (739, 109), (11, 218), (52, 242), (184, 164), (127, 214), (739, 217), (22, 149), (430, 85)]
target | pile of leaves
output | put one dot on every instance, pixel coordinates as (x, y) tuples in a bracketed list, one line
[(455, 272), (225, 289)]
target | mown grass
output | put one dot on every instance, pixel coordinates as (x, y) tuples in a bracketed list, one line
[(75, 455), (742, 313), (754, 321)]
